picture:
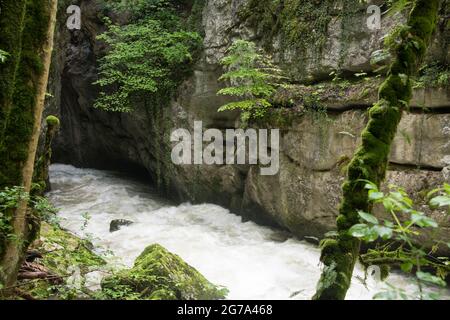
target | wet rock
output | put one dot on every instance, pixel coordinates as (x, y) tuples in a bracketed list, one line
[(115, 225)]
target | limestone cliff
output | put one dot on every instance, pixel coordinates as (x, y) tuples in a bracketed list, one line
[(303, 196)]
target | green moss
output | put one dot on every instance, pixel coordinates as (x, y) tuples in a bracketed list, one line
[(41, 168), (68, 251), (301, 25), (434, 75), (19, 126), (11, 24), (385, 270), (158, 274), (60, 251), (52, 121)]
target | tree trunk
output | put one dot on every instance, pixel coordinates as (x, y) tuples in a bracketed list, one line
[(43, 17), (41, 167), (371, 159)]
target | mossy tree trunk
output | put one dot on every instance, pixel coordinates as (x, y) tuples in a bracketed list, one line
[(371, 159), (11, 25), (24, 122), (41, 169)]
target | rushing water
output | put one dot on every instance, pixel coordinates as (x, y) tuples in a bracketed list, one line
[(253, 262)]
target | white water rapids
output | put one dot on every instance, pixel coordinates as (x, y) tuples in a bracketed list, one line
[(253, 262)]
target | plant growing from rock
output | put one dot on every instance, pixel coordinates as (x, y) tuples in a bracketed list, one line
[(253, 80), (146, 60)]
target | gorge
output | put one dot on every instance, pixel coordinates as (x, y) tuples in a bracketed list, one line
[(252, 262), (313, 148), (225, 149)]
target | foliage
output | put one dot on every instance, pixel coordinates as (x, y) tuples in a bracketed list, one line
[(396, 6), (144, 60), (253, 78), (9, 201), (440, 197), (399, 234), (433, 75), (161, 10)]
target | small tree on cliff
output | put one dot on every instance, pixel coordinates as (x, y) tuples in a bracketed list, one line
[(253, 79), (371, 159), (146, 60)]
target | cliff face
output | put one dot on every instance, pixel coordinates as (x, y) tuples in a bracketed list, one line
[(303, 197)]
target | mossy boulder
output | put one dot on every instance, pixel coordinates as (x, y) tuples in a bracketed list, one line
[(65, 250), (160, 275)]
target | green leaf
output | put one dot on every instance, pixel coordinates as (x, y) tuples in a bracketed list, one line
[(371, 235), (375, 195), (389, 224), (145, 62), (359, 230), (380, 57), (440, 201), (370, 186), (429, 278), (368, 217), (383, 232), (331, 234), (421, 220), (388, 204), (406, 266)]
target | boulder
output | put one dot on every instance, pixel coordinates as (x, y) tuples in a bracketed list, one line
[(158, 274), (116, 224)]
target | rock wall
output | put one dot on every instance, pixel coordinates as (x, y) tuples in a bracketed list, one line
[(303, 197)]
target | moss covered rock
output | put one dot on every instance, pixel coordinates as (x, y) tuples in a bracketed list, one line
[(160, 275), (65, 250), (61, 254)]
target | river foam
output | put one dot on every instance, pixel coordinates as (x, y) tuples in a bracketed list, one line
[(252, 261)]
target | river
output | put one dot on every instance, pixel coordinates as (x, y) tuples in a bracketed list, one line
[(252, 261)]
